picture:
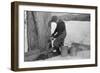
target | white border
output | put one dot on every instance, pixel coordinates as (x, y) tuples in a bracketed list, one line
[(23, 64)]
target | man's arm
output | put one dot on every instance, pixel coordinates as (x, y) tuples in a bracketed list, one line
[(60, 28), (53, 35)]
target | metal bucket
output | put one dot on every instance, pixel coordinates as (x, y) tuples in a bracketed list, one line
[(73, 51), (64, 51)]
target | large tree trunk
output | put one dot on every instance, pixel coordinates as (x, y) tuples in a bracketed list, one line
[(32, 33), (42, 20), (38, 30)]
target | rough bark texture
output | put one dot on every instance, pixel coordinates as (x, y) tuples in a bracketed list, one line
[(38, 30), (32, 33), (42, 19)]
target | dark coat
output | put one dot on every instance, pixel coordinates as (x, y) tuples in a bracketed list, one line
[(59, 29), (59, 34)]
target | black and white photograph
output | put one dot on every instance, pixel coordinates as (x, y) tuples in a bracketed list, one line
[(56, 35), (53, 36)]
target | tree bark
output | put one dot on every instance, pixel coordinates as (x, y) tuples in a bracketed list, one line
[(32, 33), (42, 19), (38, 30)]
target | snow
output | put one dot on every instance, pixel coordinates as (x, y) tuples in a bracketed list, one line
[(80, 55)]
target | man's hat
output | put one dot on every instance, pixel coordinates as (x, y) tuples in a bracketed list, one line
[(54, 18)]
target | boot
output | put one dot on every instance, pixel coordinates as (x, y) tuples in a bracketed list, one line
[(56, 51)]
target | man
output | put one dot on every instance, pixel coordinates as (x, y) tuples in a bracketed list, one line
[(59, 34)]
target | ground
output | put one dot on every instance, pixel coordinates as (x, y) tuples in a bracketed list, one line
[(80, 55)]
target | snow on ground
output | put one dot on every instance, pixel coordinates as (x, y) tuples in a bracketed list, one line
[(80, 55)]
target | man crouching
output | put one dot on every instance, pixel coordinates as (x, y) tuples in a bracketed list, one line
[(59, 34)]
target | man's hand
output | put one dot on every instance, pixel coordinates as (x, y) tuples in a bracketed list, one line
[(51, 38)]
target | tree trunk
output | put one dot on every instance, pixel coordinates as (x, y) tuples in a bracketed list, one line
[(32, 33), (42, 19), (38, 30)]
